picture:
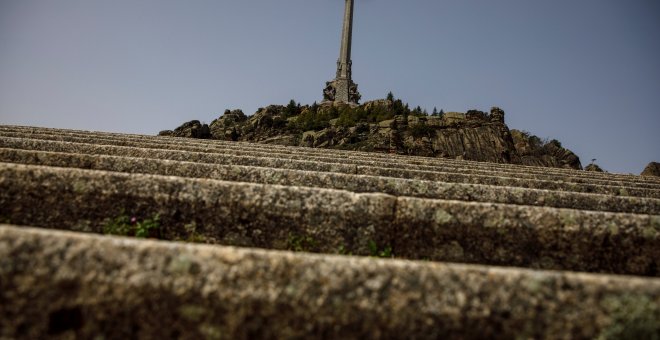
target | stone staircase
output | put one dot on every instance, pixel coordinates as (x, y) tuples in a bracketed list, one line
[(497, 250)]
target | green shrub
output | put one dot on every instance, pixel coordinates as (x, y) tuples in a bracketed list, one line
[(314, 118), (131, 226), (376, 251), (421, 130), (292, 109), (378, 114), (279, 123), (297, 242)]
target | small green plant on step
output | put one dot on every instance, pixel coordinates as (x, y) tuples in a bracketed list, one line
[(123, 225), (5, 219), (297, 242), (376, 251), (342, 250), (143, 229), (193, 235), (118, 226)]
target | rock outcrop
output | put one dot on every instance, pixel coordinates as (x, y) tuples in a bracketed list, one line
[(389, 126), (653, 169), (225, 126), (593, 167), (191, 129), (533, 151)]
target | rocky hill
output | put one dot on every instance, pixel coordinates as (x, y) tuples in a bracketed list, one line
[(386, 126)]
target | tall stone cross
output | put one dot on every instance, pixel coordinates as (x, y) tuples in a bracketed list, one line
[(342, 88)]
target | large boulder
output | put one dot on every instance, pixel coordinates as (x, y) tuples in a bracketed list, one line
[(476, 115), (379, 104), (226, 126), (653, 169), (565, 158), (452, 118), (191, 129), (593, 167), (319, 139), (533, 151), (485, 142), (496, 115)]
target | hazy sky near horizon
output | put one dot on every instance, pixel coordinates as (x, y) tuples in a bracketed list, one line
[(586, 72)]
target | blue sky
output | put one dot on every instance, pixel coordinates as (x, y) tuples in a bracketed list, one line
[(586, 72)]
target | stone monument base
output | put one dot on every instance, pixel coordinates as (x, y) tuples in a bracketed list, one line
[(341, 90)]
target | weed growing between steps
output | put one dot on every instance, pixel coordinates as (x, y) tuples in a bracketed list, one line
[(5, 219), (129, 225), (376, 251), (301, 243), (343, 251), (193, 235), (123, 225)]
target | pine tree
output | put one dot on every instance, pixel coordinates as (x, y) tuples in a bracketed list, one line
[(292, 109), (390, 96)]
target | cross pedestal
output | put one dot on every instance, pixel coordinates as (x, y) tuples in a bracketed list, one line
[(342, 88)]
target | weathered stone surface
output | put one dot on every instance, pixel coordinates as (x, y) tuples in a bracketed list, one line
[(269, 215), (533, 237), (60, 134), (201, 157), (226, 126), (346, 165), (318, 139), (350, 182), (652, 169), (59, 285), (507, 181), (56, 284), (378, 104), (497, 115), (485, 143), (533, 151), (241, 214)]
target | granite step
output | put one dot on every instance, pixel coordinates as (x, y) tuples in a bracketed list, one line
[(349, 182), (333, 221), (352, 157), (339, 153), (404, 158), (71, 285), (200, 157), (205, 157), (355, 160)]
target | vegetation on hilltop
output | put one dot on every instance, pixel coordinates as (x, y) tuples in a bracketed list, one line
[(386, 125)]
